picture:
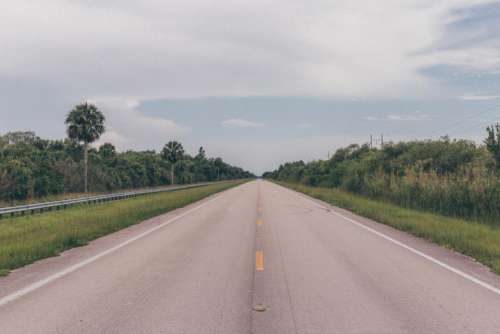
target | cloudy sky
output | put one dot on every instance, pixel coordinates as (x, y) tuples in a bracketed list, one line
[(256, 82)]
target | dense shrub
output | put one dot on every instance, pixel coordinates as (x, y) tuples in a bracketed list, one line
[(452, 177), (34, 167)]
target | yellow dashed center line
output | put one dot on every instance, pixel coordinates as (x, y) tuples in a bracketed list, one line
[(259, 261)]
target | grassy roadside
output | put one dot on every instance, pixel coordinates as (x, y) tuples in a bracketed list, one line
[(26, 239), (63, 196), (480, 241)]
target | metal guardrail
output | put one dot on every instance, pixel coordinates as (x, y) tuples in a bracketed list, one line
[(57, 205)]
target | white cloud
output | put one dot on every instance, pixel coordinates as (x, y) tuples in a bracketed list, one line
[(479, 97), (112, 136), (240, 123), (475, 58), (416, 116), (159, 49), (128, 128)]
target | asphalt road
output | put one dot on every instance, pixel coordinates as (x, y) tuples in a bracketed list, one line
[(255, 259)]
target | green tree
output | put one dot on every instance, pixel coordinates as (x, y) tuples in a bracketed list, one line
[(34, 167), (172, 152), (201, 154), (18, 185), (493, 142), (107, 151), (85, 124)]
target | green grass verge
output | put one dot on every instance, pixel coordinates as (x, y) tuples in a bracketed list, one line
[(58, 197), (26, 239), (480, 241)]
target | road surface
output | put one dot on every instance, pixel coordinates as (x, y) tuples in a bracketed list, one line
[(258, 258)]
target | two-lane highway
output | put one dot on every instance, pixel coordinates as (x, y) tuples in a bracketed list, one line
[(258, 258)]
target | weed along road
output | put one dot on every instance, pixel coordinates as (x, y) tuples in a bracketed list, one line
[(258, 258)]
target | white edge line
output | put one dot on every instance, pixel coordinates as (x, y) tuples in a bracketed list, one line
[(37, 285), (409, 248)]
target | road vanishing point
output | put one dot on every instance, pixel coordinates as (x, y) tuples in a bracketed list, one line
[(257, 258)]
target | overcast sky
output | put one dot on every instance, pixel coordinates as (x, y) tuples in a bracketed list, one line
[(255, 82)]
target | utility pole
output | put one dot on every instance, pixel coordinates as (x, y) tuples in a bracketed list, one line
[(381, 141), (371, 142)]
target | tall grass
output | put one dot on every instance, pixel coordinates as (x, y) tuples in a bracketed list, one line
[(480, 241), (26, 239), (456, 178), (462, 195)]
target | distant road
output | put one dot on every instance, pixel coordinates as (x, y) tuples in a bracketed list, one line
[(257, 258)]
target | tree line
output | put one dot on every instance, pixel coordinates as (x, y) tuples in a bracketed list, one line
[(457, 178), (34, 167)]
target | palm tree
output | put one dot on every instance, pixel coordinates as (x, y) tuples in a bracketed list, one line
[(172, 152), (85, 125)]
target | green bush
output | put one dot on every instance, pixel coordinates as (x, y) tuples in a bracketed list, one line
[(34, 167), (456, 178)]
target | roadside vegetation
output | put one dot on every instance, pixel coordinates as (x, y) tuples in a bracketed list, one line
[(478, 240), (26, 239), (456, 178), (32, 167)]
